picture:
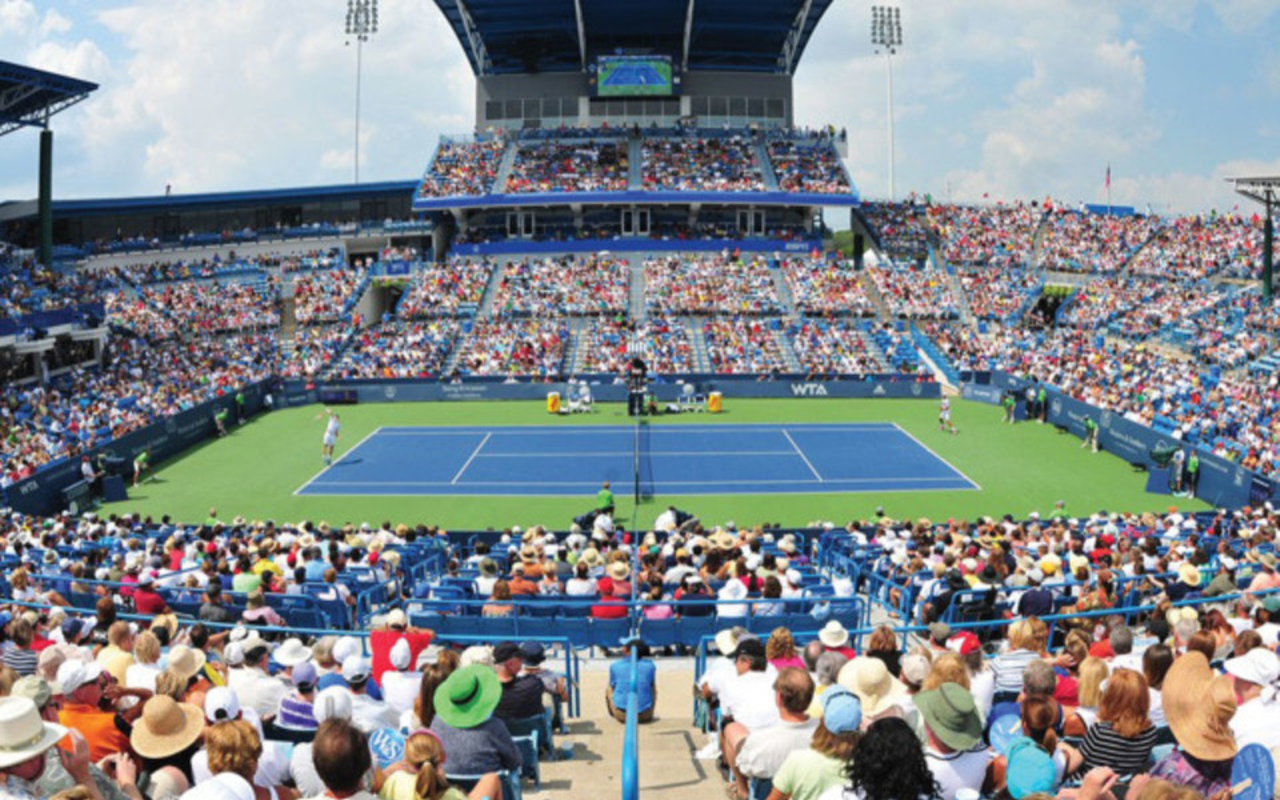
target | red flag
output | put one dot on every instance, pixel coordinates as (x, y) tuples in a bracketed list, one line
[(1108, 183)]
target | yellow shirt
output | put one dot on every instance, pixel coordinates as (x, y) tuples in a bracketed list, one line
[(266, 565), (115, 661)]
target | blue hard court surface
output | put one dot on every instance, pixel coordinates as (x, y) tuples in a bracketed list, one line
[(674, 460)]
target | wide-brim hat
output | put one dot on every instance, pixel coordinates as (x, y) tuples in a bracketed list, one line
[(871, 681), (468, 697), (528, 555), (185, 662), (23, 734), (619, 570), (1188, 574), (291, 653), (833, 634), (591, 557), (949, 712), (727, 640), (166, 727), (1198, 706)]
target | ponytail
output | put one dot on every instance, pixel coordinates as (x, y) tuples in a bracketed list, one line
[(431, 783)]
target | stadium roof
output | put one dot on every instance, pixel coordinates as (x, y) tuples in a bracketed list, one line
[(28, 96), (503, 37)]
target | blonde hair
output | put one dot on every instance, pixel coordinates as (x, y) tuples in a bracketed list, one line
[(1093, 671), (233, 746), (1160, 789), (1022, 635), (947, 667), (8, 677), (146, 648), (425, 754)]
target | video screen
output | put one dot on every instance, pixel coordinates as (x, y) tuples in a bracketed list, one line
[(634, 76)]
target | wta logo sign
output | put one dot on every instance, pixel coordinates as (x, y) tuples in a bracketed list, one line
[(809, 389)]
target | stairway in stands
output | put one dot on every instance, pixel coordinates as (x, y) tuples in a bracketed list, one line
[(490, 292), (577, 346), (766, 167), (635, 159), (788, 352), (636, 298), (702, 362), (505, 166), (784, 294), (873, 294), (957, 289)]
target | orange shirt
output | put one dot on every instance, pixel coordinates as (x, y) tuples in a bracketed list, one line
[(98, 727)]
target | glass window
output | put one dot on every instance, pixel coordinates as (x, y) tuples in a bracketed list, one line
[(493, 109), (737, 106), (755, 107)]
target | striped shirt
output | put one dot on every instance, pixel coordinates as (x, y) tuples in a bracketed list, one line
[(22, 660), (1105, 747), (1009, 667)]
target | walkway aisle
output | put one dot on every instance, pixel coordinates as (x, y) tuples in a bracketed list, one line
[(668, 770)]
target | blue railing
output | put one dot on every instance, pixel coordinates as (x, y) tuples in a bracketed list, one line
[(630, 742)]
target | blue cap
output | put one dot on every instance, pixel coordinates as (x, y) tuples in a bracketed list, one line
[(841, 710), (1030, 769), (72, 627), (304, 674), (534, 653)]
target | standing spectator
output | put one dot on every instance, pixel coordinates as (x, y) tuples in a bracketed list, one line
[(400, 685)]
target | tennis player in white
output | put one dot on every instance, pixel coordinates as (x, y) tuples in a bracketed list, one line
[(332, 429)]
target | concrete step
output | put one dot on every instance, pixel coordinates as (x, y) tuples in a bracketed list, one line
[(873, 294)]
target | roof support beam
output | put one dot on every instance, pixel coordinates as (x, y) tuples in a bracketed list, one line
[(582, 33), (688, 36), (479, 53), (786, 61)]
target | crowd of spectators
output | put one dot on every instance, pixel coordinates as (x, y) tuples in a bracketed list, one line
[(220, 306), (581, 167), (607, 346), (314, 349), (820, 287), (902, 228), (322, 295), (445, 289), (463, 168), (701, 165), (997, 293), (809, 166), (598, 283), (838, 347), (1081, 241), (513, 347), (705, 284), (992, 235), (738, 346), (915, 293), (398, 349)]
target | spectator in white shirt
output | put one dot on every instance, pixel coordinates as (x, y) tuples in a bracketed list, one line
[(256, 689), (953, 747), (1254, 674), (366, 713), (760, 753), (400, 688), (748, 698)]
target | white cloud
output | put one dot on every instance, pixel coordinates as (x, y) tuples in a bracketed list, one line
[(17, 16), (54, 23), (1183, 192), (1243, 16)]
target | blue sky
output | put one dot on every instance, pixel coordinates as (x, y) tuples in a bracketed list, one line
[(1002, 99)]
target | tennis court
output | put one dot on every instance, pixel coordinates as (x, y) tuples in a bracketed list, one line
[(673, 459)]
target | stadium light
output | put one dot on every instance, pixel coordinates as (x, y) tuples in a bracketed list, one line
[(362, 22), (886, 35), (1264, 190)]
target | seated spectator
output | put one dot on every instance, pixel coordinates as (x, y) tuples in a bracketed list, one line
[(1199, 706), (254, 685), (476, 742), (807, 774), (24, 741), (617, 694), (296, 709), (1252, 675), (82, 690), (835, 639), (499, 604), (887, 763), (953, 732), (342, 760), (761, 753), (1123, 736), (420, 775), (330, 704), (167, 735), (521, 694)]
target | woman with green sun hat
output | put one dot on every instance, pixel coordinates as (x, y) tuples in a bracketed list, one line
[(475, 743)]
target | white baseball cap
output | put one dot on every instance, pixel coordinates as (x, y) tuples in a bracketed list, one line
[(332, 703), (346, 647), (400, 654), (356, 669), (73, 674), (221, 704)]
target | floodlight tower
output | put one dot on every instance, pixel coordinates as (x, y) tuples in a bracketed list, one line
[(1264, 190), (362, 22), (886, 35)]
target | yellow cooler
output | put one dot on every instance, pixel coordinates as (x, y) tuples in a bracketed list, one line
[(553, 402), (715, 402)]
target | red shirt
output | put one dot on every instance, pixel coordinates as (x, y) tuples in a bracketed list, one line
[(381, 642), (610, 608), (148, 603)]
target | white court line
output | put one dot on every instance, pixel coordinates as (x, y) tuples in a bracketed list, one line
[(474, 453), (674, 491), (753, 482), (950, 466), (650, 453), (673, 429), (339, 460), (803, 457)]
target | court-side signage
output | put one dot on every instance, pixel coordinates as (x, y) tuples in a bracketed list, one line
[(432, 391)]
